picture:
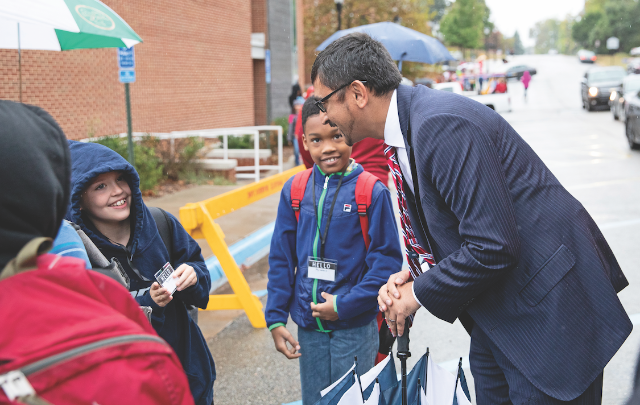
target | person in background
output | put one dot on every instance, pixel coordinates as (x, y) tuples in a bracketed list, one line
[(295, 93), (501, 87), (68, 243), (526, 78), (291, 132)]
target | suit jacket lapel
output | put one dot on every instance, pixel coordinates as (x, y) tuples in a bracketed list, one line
[(418, 221)]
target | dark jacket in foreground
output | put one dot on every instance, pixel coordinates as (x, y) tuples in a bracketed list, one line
[(143, 257), (360, 273), (516, 254)]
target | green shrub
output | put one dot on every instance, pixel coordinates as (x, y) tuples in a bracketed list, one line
[(181, 160), (238, 142), (147, 163), (284, 123)]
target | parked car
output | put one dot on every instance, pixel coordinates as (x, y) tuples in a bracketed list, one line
[(630, 87), (632, 123), (586, 56), (633, 66), (516, 72), (425, 81), (500, 102), (598, 84)]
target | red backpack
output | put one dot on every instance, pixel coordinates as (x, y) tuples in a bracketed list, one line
[(364, 189), (74, 336)]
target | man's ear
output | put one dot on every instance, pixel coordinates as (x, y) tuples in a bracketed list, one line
[(360, 94), (304, 142)]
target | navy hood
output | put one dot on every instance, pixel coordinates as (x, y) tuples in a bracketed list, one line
[(89, 160), (34, 163)]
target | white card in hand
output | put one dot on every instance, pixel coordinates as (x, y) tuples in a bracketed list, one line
[(165, 278)]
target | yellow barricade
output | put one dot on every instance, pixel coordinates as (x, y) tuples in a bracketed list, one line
[(197, 219)]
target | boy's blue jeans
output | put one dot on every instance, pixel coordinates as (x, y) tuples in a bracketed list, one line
[(325, 357)]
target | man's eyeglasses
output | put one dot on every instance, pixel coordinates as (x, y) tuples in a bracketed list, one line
[(320, 103)]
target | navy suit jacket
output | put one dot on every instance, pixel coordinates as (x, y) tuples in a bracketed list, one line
[(516, 254)]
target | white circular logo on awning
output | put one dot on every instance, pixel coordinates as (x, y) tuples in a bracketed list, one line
[(95, 17)]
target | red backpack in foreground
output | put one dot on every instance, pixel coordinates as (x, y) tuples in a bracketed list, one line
[(73, 336), (364, 189)]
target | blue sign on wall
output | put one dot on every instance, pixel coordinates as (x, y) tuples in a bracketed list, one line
[(267, 65), (126, 58), (127, 76)]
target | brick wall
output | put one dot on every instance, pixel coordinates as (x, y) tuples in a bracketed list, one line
[(260, 92), (194, 71)]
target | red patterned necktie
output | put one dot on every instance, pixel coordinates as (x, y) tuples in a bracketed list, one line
[(416, 254)]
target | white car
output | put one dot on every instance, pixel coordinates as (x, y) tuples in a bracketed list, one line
[(499, 102)]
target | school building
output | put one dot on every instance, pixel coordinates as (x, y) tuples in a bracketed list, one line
[(203, 64)]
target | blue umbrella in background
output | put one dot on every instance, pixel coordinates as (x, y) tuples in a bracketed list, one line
[(404, 44)]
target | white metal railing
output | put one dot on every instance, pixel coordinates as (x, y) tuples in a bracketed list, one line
[(224, 132)]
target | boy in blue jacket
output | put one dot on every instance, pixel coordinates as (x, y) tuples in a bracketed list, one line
[(320, 271), (107, 204)]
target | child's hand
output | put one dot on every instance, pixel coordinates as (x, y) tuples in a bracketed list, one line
[(160, 295), (325, 310), (280, 337), (187, 277)]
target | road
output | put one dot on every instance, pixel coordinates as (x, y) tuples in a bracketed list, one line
[(587, 152)]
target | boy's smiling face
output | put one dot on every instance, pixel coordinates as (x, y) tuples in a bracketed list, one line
[(107, 198), (326, 144)]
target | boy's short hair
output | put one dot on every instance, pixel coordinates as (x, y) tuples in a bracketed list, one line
[(309, 109)]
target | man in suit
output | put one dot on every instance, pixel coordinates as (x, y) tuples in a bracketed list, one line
[(492, 237)]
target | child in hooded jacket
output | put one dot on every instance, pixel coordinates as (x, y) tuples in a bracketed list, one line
[(107, 204), (336, 319)]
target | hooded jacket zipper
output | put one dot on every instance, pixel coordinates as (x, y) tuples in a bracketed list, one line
[(315, 246)]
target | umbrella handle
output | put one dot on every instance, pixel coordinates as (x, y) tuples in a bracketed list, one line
[(403, 341)]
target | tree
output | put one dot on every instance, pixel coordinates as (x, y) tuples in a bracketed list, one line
[(620, 18), (581, 30), (463, 24), (438, 9), (545, 33), (518, 48), (321, 20)]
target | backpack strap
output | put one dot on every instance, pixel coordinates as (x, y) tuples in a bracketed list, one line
[(165, 229), (364, 189), (298, 187)]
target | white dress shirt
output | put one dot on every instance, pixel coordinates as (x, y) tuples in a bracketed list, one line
[(393, 137)]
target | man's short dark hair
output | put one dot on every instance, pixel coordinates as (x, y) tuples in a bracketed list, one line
[(356, 56), (309, 109)]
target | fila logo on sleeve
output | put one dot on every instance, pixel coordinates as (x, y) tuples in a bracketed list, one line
[(347, 208)]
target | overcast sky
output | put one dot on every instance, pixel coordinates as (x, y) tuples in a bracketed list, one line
[(521, 15)]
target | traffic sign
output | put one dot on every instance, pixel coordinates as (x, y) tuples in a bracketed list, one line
[(126, 58), (127, 76), (267, 65), (613, 43)]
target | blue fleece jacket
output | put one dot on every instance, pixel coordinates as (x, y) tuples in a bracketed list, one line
[(360, 273), (143, 257)]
